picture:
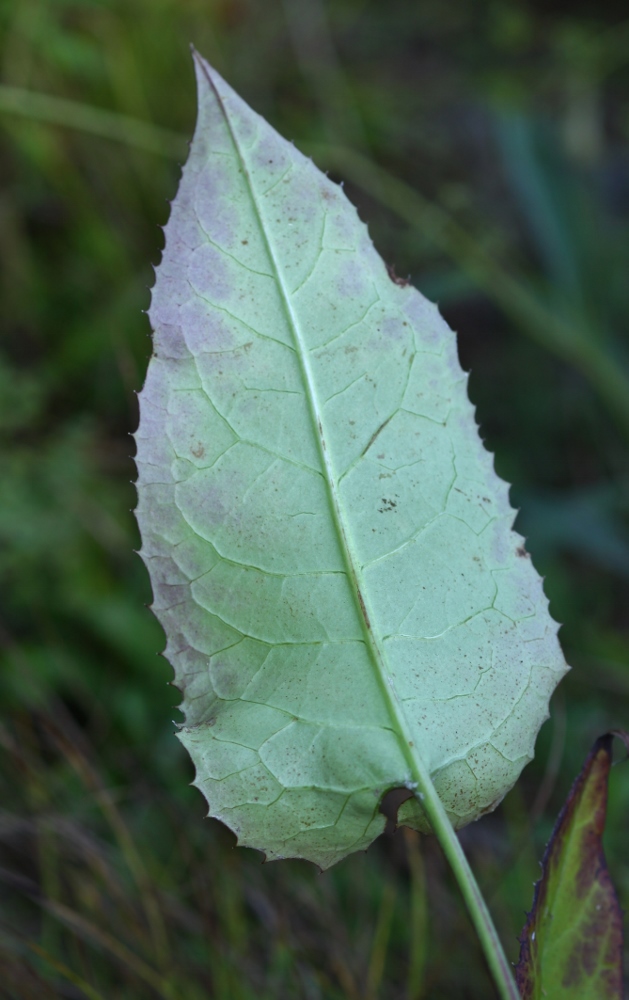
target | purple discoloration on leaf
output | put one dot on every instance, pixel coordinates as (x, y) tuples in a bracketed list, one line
[(205, 330), (169, 343), (571, 945), (208, 273), (351, 283), (271, 157), (166, 300), (217, 214)]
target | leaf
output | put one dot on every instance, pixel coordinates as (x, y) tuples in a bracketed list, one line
[(571, 945), (347, 609)]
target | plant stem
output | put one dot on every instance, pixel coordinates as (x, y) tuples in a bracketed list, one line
[(499, 966)]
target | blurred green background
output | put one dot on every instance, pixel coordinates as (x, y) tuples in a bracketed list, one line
[(487, 144)]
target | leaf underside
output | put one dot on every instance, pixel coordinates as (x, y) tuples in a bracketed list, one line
[(571, 945), (330, 549)]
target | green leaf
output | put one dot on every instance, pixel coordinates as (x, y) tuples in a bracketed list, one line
[(346, 606), (571, 945)]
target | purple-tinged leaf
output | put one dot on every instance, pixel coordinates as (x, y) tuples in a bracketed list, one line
[(331, 551), (571, 945)]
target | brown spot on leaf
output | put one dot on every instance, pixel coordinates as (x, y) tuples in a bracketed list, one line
[(402, 282), (387, 505), (490, 808)]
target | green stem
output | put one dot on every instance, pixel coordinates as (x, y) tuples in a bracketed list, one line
[(499, 966)]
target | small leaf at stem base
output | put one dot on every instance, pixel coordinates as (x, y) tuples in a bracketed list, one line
[(571, 945)]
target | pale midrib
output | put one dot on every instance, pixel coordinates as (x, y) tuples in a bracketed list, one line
[(419, 775), (418, 771)]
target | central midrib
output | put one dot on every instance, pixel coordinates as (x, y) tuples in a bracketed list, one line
[(418, 771)]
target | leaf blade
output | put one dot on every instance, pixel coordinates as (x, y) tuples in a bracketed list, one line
[(327, 540)]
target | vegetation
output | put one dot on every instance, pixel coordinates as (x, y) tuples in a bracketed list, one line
[(509, 129)]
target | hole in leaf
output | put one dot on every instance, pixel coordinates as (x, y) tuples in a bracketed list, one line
[(390, 803)]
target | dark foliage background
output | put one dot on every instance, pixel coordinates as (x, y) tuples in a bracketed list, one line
[(509, 123)]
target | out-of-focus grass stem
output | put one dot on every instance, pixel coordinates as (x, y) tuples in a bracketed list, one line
[(97, 121), (320, 66), (572, 344), (90, 932), (380, 944), (66, 972), (419, 917), (159, 937)]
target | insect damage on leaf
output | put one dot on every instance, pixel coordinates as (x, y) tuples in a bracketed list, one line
[(571, 945), (330, 548)]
